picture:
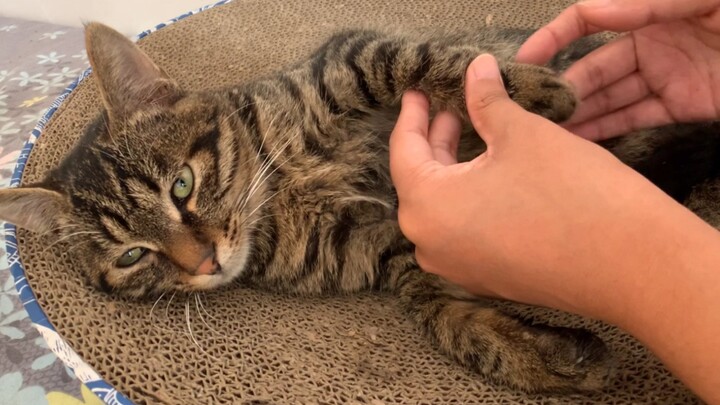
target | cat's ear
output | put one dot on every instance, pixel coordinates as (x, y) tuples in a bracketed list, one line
[(129, 80), (34, 208)]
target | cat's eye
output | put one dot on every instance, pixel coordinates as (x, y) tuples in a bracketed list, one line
[(183, 185), (130, 257)]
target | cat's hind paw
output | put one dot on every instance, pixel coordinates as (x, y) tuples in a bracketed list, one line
[(576, 355)]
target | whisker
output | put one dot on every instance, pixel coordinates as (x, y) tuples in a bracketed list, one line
[(197, 307), (251, 224), (167, 307), (263, 176), (127, 146), (113, 139), (260, 149), (106, 154), (271, 124), (157, 325), (70, 236), (264, 202), (266, 178), (156, 302), (267, 162), (258, 207), (203, 306), (187, 317), (235, 112), (274, 154), (59, 228), (4, 233)]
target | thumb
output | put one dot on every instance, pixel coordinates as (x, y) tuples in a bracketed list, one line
[(490, 109), (410, 150)]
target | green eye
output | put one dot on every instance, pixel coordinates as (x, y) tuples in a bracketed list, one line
[(130, 257), (183, 184)]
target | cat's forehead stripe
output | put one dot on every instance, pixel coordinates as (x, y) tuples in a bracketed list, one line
[(206, 142)]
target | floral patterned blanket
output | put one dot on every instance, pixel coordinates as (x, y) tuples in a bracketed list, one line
[(37, 61)]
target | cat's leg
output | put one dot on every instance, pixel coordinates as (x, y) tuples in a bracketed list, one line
[(356, 252), (705, 202), (366, 71), (532, 358)]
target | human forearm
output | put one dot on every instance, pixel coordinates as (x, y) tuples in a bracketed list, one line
[(653, 269), (673, 303)]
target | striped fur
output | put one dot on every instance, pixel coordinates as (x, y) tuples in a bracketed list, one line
[(292, 189)]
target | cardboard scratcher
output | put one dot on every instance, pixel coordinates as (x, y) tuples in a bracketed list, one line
[(247, 345)]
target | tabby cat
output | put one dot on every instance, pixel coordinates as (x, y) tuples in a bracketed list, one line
[(283, 183)]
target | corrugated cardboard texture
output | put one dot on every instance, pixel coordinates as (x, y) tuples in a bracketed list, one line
[(253, 345)]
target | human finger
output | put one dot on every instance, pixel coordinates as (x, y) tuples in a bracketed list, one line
[(650, 112), (444, 137), (592, 16), (628, 15), (603, 67), (622, 93), (556, 35)]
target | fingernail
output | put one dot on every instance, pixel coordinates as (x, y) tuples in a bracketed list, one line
[(594, 3), (485, 67)]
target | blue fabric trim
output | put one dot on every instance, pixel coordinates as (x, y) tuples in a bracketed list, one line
[(101, 388)]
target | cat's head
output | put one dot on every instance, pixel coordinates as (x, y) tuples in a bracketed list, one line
[(159, 194)]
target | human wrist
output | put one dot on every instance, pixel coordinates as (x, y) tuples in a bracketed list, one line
[(629, 253), (671, 305), (662, 269)]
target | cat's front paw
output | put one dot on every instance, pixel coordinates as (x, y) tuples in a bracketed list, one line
[(540, 91)]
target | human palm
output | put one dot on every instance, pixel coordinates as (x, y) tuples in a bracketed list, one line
[(654, 75)]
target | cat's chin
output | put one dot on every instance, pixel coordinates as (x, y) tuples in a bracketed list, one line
[(206, 282)]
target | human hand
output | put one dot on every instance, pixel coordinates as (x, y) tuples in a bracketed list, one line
[(663, 71), (541, 217)]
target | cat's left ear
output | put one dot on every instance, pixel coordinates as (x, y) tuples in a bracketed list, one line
[(34, 208), (129, 80)]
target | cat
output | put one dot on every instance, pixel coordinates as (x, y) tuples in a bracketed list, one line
[(283, 183)]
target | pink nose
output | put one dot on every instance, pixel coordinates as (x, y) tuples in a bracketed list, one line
[(208, 266)]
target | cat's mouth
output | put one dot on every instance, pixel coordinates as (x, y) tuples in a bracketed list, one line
[(222, 268), (202, 282)]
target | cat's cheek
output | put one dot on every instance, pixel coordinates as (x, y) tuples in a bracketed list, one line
[(232, 258)]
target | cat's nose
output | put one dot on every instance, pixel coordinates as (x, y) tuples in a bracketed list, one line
[(195, 256), (209, 266)]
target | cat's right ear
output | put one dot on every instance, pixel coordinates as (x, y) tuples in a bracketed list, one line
[(129, 80), (34, 208)]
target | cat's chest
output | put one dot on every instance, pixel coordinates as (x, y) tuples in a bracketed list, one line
[(355, 172), (338, 158), (341, 177)]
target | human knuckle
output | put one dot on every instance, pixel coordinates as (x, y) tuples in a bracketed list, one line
[(596, 75), (488, 99)]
